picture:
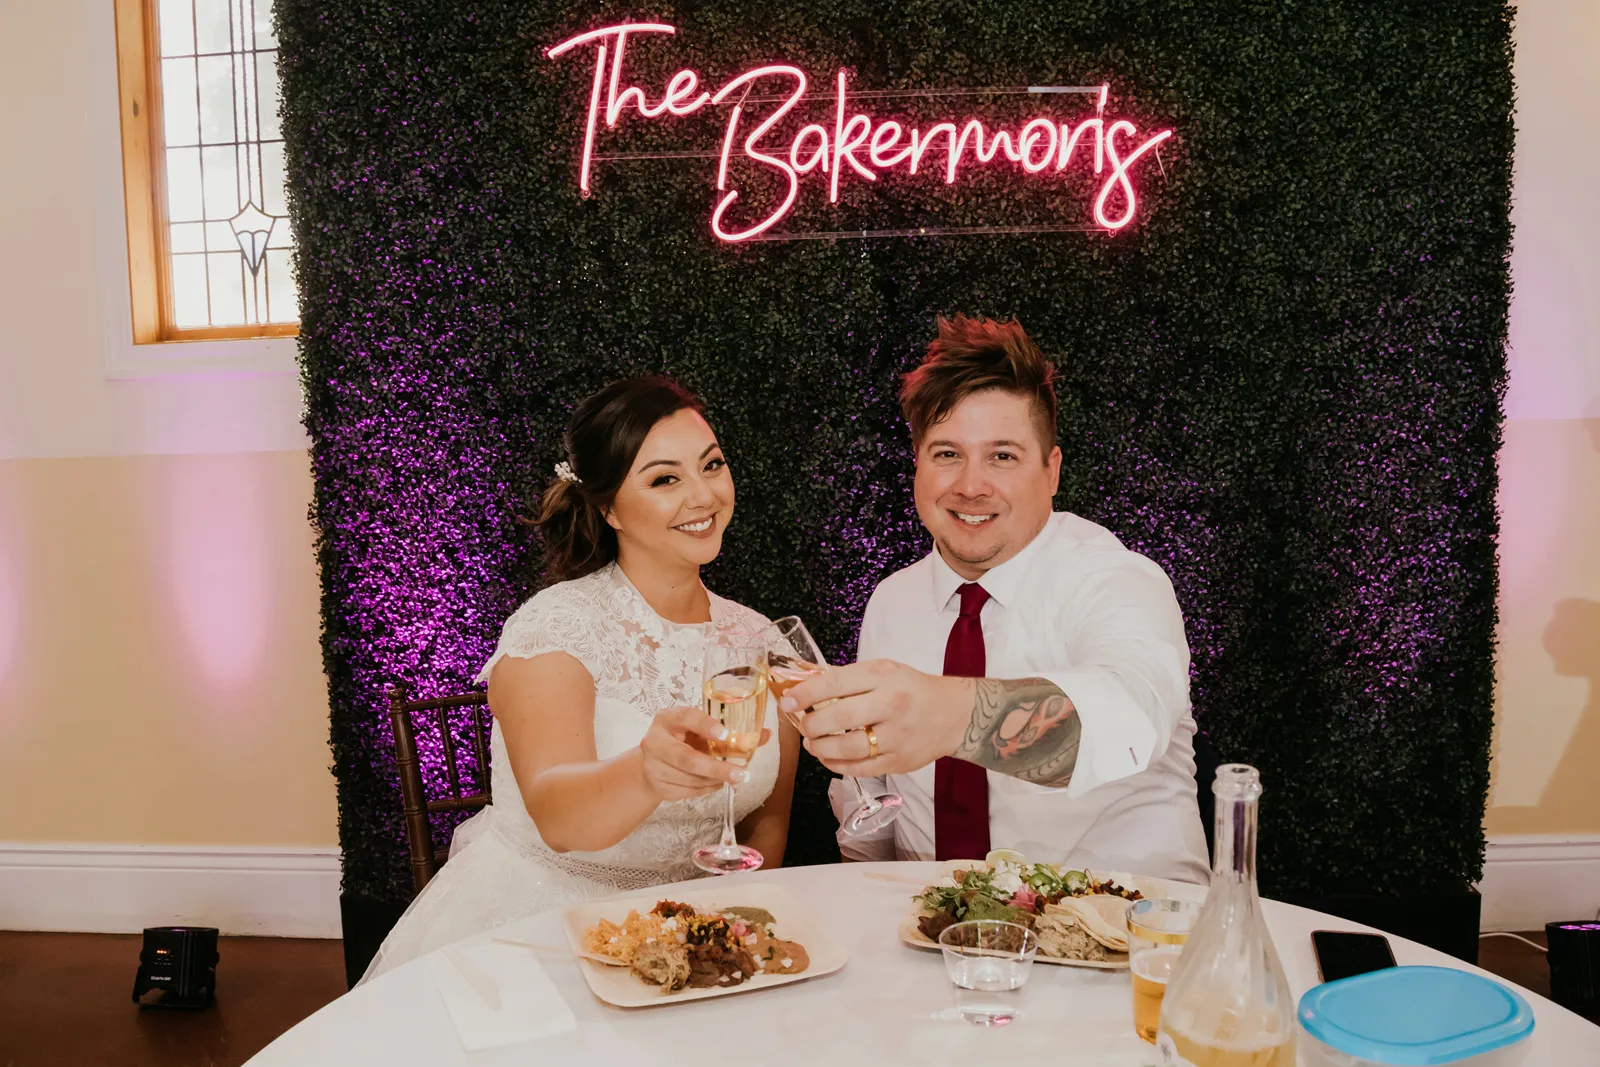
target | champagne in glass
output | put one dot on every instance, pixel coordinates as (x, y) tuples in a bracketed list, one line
[(735, 687), (784, 672), (737, 698), (792, 657)]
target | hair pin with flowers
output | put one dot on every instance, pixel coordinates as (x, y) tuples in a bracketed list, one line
[(564, 472)]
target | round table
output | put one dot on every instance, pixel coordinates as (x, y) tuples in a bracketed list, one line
[(890, 1004)]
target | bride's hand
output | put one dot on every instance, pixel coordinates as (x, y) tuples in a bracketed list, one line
[(676, 766)]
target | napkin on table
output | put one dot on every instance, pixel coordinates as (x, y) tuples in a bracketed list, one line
[(530, 1005)]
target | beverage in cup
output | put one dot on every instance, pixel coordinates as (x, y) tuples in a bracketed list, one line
[(1157, 930)]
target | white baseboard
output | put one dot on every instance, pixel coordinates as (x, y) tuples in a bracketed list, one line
[(1528, 880), (1532, 879), (265, 891)]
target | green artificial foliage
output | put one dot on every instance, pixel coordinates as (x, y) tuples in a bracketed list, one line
[(1282, 382)]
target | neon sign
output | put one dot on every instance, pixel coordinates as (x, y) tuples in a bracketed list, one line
[(854, 144)]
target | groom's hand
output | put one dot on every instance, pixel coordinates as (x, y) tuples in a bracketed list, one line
[(915, 717)]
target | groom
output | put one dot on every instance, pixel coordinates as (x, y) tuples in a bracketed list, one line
[(1026, 685)]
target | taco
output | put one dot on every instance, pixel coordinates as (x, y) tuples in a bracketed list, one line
[(1084, 928)]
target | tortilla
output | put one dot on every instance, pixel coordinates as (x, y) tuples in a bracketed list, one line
[(1102, 916)]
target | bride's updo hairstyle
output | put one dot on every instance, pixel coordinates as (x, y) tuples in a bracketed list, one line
[(603, 440)]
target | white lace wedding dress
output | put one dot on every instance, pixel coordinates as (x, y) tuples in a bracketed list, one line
[(499, 868)]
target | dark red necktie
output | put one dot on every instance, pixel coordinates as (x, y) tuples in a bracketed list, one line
[(961, 789)]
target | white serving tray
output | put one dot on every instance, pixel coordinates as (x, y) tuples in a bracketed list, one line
[(792, 922), (1149, 886)]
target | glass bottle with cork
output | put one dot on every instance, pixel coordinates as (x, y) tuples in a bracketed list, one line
[(1228, 1003)]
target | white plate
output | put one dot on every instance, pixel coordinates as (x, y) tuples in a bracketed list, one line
[(1148, 886), (620, 986)]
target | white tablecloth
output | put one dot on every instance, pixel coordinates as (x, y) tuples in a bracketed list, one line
[(889, 1005)]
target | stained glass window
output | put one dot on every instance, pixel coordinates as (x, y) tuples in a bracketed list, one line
[(218, 228)]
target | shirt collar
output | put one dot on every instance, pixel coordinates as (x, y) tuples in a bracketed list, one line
[(1003, 583)]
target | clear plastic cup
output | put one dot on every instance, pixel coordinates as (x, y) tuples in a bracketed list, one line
[(988, 962), (1157, 931)]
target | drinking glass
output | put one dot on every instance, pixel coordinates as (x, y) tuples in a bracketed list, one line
[(1157, 930), (735, 693), (792, 657), (988, 962)]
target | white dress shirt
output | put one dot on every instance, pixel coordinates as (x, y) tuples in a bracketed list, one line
[(1102, 623)]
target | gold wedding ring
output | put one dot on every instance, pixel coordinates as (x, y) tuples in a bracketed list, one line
[(872, 743)]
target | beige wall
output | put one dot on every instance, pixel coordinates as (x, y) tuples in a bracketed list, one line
[(1547, 769), (160, 679), (1547, 765)]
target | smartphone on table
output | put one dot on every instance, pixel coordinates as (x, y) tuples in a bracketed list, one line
[(1342, 954)]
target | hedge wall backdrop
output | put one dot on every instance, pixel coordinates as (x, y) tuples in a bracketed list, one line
[(1282, 382)]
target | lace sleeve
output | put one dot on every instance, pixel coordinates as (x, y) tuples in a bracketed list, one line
[(731, 612), (547, 624)]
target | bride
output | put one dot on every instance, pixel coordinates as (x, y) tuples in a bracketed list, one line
[(598, 781)]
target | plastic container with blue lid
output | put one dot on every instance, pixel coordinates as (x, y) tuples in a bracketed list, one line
[(1414, 1017)]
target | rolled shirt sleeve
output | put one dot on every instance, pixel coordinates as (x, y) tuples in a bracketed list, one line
[(1125, 667)]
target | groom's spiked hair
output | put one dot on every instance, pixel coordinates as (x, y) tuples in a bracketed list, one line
[(972, 356)]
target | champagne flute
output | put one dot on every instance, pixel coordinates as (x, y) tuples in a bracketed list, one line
[(792, 657), (735, 693)]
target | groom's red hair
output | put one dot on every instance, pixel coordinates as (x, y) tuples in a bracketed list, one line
[(974, 355)]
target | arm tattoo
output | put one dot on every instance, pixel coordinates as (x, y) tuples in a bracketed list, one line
[(1025, 728)]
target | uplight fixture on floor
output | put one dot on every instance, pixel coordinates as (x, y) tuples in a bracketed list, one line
[(1574, 957), (177, 968)]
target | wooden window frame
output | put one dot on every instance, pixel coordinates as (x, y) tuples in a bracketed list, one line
[(144, 185)]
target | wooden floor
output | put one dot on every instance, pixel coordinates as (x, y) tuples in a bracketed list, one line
[(65, 998), (66, 1001), (1519, 963)]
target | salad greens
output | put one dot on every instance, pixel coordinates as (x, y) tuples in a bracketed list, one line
[(1007, 891)]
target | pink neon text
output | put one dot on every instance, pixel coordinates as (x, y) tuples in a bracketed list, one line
[(853, 141)]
